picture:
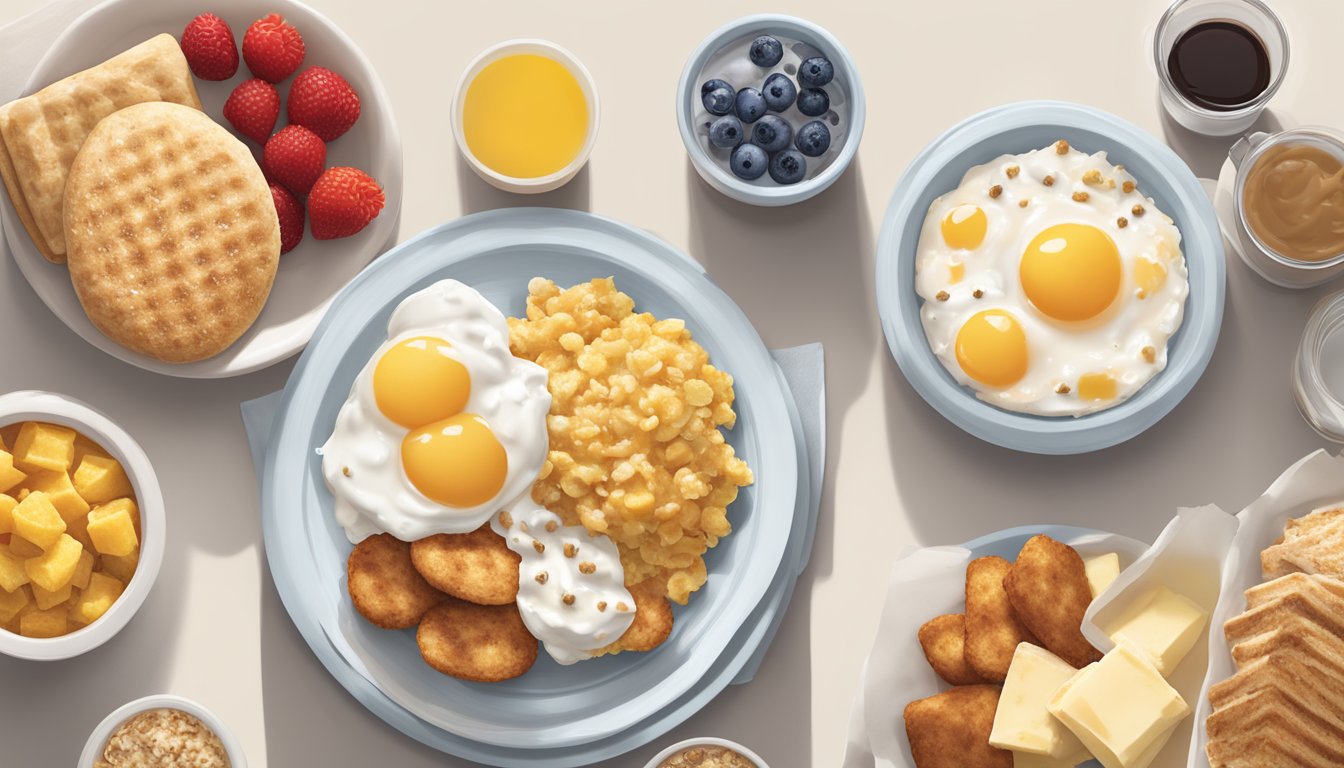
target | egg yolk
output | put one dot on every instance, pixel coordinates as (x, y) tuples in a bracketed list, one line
[(457, 462), (956, 271), (1096, 386), (964, 227), (1071, 272), (416, 382), (992, 348), (1150, 275)]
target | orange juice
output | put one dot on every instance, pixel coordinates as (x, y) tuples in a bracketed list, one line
[(525, 116)]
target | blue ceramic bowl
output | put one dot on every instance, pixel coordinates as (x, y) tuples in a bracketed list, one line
[(1021, 127)]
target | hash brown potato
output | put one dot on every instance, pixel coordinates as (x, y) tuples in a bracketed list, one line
[(484, 643), (653, 619), (951, 729), (1049, 592), (992, 630), (384, 586), (477, 567), (944, 642)]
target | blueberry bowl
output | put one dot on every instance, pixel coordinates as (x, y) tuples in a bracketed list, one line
[(1022, 127), (771, 124)]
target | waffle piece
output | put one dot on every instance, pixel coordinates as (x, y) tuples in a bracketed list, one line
[(172, 233), (1313, 543), (41, 134)]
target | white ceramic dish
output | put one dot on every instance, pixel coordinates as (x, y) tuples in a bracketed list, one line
[(58, 409), (714, 171), (706, 742), (555, 53), (100, 735), (311, 274)]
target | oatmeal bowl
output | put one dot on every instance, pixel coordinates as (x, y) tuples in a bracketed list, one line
[(607, 444), (1050, 277), (162, 731)]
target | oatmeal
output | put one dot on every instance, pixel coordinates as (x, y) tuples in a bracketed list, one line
[(163, 738)]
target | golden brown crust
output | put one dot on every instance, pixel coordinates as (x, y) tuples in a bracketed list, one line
[(653, 619), (485, 643), (171, 232), (477, 567), (992, 630), (944, 642), (1049, 592), (951, 729), (385, 587)]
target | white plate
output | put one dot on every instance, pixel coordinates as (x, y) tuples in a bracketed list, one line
[(312, 273)]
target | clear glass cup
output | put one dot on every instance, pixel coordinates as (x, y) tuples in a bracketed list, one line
[(1318, 371), (1251, 14)]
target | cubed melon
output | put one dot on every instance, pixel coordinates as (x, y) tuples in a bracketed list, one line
[(48, 623), (36, 519), (121, 567), (112, 531), (47, 599), (93, 602), (11, 602), (23, 548), (44, 446), (101, 478), (83, 570), (60, 492), (12, 573), (56, 567), (10, 476), (7, 504)]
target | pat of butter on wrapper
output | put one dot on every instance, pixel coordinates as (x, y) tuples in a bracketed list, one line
[(1022, 723), (1121, 708), (1101, 571), (1164, 625)]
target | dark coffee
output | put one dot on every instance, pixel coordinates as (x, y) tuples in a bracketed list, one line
[(1219, 65)]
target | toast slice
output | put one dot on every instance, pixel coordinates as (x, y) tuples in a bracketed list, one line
[(1311, 544), (1270, 715), (1326, 609)]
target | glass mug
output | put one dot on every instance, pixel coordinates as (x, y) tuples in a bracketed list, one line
[(1276, 267), (1318, 371)]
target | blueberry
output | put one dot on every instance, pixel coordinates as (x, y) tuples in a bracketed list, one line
[(788, 167), (717, 96), (815, 72), (725, 132), (771, 133), (813, 102), (750, 105), (813, 138), (765, 51), (779, 92), (749, 161)]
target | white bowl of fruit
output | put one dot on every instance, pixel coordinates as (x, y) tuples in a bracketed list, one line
[(81, 527)]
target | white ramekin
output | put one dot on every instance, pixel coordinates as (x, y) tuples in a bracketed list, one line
[(103, 732), (32, 405), (701, 742), (551, 51)]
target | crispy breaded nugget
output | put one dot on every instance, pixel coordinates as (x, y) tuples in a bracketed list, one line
[(944, 642), (485, 643), (951, 729), (385, 587), (1049, 591), (992, 631), (477, 567), (653, 619)]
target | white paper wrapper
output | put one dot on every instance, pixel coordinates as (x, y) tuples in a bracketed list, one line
[(1187, 557), (1315, 481)]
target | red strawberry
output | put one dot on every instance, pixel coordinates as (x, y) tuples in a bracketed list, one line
[(294, 157), (272, 48), (253, 108), (343, 202), (207, 42), (290, 211), (323, 101)]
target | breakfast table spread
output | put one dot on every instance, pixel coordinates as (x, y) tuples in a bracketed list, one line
[(539, 384)]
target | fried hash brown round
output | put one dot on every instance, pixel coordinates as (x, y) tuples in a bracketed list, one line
[(477, 567), (992, 629), (1049, 592), (484, 643), (385, 587), (944, 642), (653, 618), (951, 729)]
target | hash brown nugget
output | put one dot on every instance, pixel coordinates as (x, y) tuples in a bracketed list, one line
[(1049, 592), (951, 729), (992, 630), (477, 567), (653, 619), (484, 643), (385, 587), (944, 642)]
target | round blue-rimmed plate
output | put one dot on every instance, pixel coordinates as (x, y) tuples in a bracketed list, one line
[(1022, 127), (497, 253)]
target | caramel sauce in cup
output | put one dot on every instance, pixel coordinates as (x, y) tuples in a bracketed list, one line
[(1293, 201)]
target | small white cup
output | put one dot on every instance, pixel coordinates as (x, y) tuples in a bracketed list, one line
[(98, 739), (705, 742), (527, 186), (66, 411)]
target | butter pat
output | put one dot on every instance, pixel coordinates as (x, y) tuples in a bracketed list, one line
[(1101, 571), (1164, 625), (1022, 723), (1121, 708)]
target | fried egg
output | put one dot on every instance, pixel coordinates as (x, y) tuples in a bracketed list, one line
[(1050, 284), (443, 426)]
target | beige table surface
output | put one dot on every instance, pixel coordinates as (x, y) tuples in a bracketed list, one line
[(214, 628)]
